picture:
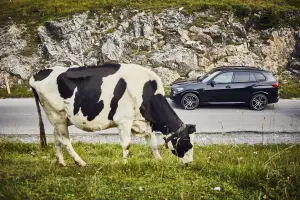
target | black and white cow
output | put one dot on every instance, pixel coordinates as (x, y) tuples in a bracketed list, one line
[(127, 96)]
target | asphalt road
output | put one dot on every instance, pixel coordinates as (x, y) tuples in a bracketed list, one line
[(19, 116)]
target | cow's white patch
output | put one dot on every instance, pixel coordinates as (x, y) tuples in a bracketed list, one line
[(188, 156)]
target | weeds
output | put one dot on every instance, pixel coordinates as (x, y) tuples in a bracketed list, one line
[(241, 172), (17, 91)]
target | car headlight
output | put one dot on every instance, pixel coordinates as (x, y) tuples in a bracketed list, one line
[(177, 90)]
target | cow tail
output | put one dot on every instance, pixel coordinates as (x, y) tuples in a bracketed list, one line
[(43, 140)]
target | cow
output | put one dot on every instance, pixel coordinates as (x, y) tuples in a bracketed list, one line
[(93, 98)]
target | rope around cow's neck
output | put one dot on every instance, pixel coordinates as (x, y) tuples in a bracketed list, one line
[(176, 133)]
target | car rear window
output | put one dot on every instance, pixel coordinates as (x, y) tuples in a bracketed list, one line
[(259, 76), (241, 77)]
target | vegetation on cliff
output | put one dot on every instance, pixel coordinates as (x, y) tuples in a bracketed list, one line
[(35, 12)]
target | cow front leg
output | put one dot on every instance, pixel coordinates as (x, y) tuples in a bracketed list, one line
[(58, 148), (125, 134), (63, 138), (151, 140)]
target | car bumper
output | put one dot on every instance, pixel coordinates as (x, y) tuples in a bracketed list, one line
[(274, 100), (175, 97)]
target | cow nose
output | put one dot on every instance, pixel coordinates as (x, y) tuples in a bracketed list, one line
[(186, 160)]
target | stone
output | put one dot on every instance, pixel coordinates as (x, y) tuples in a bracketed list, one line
[(167, 76), (167, 40), (19, 65), (11, 41), (195, 74), (239, 30), (197, 46), (176, 58)]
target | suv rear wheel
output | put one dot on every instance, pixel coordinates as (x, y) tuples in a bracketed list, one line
[(259, 102), (190, 101)]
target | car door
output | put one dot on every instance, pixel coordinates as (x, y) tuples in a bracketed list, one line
[(218, 89), (241, 87)]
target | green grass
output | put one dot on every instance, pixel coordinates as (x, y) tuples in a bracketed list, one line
[(241, 171), (35, 11), (17, 91), (289, 87)]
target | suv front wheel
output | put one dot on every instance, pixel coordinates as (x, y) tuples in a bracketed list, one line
[(190, 101), (259, 102)]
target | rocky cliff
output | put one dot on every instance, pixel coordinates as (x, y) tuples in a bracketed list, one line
[(169, 42)]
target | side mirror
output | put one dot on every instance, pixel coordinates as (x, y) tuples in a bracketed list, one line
[(213, 83)]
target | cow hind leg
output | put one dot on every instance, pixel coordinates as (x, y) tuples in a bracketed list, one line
[(125, 134), (151, 140), (58, 148), (62, 135)]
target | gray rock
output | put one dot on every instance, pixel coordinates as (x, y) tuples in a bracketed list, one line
[(11, 41), (142, 44), (197, 46), (239, 30), (167, 39), (195, 74), (176, 58), (197, 34), (167, 75), (19, 65), (295, 65), (112, 50)]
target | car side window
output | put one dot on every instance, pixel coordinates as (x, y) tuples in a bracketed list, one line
[(224, 77), (252, 77), (259, 76), (241, 77)]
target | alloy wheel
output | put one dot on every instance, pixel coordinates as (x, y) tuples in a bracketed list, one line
[(190, 101), (259, 102)]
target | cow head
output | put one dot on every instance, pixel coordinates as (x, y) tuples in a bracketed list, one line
[(181, 142)]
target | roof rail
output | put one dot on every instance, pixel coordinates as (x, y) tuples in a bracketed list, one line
[(237, 67)]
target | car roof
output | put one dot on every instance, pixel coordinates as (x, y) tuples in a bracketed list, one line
[(224, 68)]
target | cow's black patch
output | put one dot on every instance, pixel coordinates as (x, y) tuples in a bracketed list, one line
[(118, 93), (149, 89), (42, 74), (88, 81), (157, 110)]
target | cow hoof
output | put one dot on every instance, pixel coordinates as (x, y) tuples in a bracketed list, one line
[(159, 158), (61, 163), (80, 163)]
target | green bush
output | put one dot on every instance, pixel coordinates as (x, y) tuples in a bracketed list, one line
[(17, 91)]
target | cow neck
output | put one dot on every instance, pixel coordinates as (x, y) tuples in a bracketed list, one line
[(164, 113)]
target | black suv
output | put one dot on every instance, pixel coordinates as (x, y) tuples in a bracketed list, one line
[(228, 84)]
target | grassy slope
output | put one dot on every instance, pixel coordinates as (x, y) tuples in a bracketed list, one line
[(34, 11), (242, 172)]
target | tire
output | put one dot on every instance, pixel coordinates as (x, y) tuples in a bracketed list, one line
[(259, 102), (190, 101)]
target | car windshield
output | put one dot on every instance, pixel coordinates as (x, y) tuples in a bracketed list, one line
[(208, 76)]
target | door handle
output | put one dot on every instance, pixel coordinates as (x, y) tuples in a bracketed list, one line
[(228, 86), (254, 85)]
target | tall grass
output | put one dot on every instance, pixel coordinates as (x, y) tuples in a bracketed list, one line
[(41, 11), (240, 171)]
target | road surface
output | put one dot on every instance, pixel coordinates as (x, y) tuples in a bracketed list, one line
[(19, 116)]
